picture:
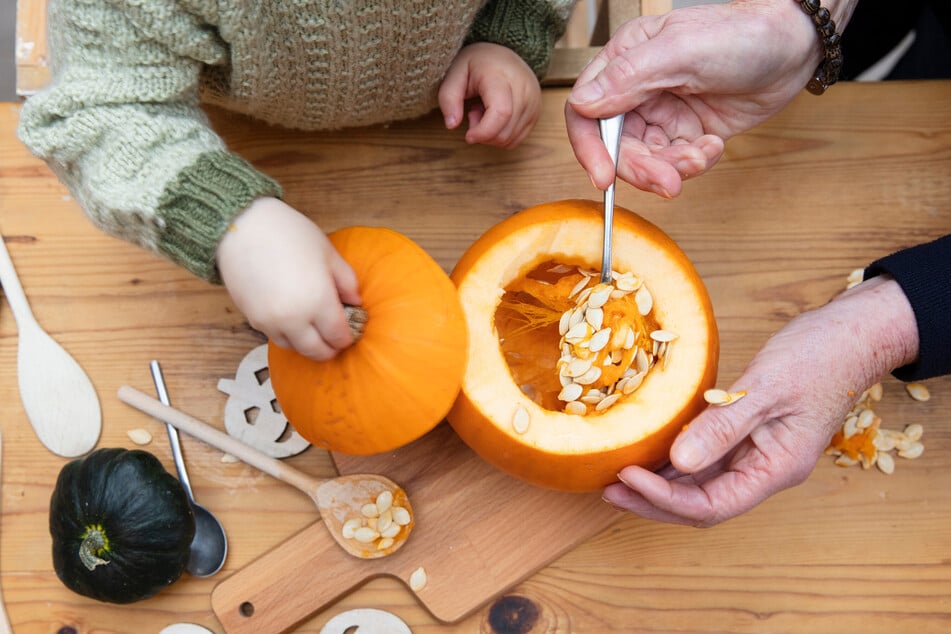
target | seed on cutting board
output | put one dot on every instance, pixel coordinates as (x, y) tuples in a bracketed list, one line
[(227, 458), (139, 436), (918, 391), (417, 580)]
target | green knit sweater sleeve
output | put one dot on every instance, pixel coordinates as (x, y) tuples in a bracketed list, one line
[(121, 125), (528, 27)]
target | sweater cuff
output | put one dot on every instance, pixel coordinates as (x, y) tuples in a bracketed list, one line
[(924, 274), (529, 28), (199, 205)]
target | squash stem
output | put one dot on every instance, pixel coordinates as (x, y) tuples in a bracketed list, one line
[(93, 542)]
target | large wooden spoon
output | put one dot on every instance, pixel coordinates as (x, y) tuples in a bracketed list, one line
[(59, 399), (368, 514)]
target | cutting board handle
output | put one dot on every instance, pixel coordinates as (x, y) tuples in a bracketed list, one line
[(277, 591)]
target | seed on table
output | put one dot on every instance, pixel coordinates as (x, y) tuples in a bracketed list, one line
[(875, 392), (851, 426), (918, 391), (845, 461), (139, 436), (865, 419), (885, 462), (914, 450), (914, 431)]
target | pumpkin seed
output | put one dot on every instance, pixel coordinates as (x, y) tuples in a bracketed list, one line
[(139, 436), (365, 535), (227, 458), (391, 531), (571, 392), (885, 462), (418, 579), (607, 402), (576, 407), (663, 336), (875, 392), (401, 516), (600, 295), (599, 340), (595, 317), (918, 391), (644, 301), (914, 431), (914, 450), (349, 528), (520, 419), (716, 396)]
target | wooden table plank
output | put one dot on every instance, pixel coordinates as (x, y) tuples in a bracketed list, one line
[(774, 229)]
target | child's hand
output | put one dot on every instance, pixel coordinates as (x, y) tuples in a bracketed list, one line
[(287, 279), (508, 89)]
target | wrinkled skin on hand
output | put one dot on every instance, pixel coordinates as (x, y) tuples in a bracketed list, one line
[(688, 80), (799, 387)]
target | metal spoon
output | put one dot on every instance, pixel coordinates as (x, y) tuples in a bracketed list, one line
[(611, 135), (338, 499), (60, 400), (209, 546)]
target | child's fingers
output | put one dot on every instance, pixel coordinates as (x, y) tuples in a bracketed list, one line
[(497, 116), (452, 96)]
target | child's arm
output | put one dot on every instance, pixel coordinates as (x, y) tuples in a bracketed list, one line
[(121, 125)]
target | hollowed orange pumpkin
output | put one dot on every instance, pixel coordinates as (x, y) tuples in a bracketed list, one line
[(400, 378), (519, 286)]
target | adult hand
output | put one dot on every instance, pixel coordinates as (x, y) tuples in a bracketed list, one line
[(799, 388), (509, 96), (287, 279), (688, 80)]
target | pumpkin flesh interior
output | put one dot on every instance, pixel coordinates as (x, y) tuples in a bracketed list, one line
[(527, 322)]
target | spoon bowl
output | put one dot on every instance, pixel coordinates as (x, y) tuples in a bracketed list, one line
[(58, 397), (344, 501), (209, 547)]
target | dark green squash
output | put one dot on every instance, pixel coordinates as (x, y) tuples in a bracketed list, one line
[(121, 525)]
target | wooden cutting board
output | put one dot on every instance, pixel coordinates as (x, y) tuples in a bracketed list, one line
[(478, 533)]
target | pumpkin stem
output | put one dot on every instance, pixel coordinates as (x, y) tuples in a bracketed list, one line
[(356, 319), (93, 542)]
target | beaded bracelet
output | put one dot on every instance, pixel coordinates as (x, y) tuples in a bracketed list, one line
[(827, 73)]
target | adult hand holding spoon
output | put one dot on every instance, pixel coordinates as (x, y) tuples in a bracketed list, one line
[(59, 399), (209, 546)]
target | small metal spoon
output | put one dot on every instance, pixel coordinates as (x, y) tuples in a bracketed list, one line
[(209, 546), (611, 135)]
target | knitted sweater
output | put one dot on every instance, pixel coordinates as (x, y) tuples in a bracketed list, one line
[(121, 122)]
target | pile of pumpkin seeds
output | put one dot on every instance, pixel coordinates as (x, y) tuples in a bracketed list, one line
[(861, 439), (379, 524), (584, 337)]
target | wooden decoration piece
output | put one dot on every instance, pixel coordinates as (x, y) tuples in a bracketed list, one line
[(252, 414)]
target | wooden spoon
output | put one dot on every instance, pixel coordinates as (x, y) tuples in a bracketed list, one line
[(59, 399), (4, 621), (340, 500)]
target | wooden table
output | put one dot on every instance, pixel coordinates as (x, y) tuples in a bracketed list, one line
[(774, 229)]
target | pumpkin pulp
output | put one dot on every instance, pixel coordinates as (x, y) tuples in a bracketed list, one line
[(527, 322)]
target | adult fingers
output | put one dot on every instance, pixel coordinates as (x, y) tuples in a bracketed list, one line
[(718, 430)]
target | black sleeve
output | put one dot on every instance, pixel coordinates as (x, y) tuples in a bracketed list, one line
[(924, 274)]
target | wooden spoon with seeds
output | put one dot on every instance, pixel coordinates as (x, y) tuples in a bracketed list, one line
[(351, 506)]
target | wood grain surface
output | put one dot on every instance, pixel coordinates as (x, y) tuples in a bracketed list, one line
[(774, 229)]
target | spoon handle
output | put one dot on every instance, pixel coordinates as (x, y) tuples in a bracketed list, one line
[(220, 440), (12, 288), (173, 439), (611, 136)]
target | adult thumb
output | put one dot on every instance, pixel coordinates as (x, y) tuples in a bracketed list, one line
[(714, 433)]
